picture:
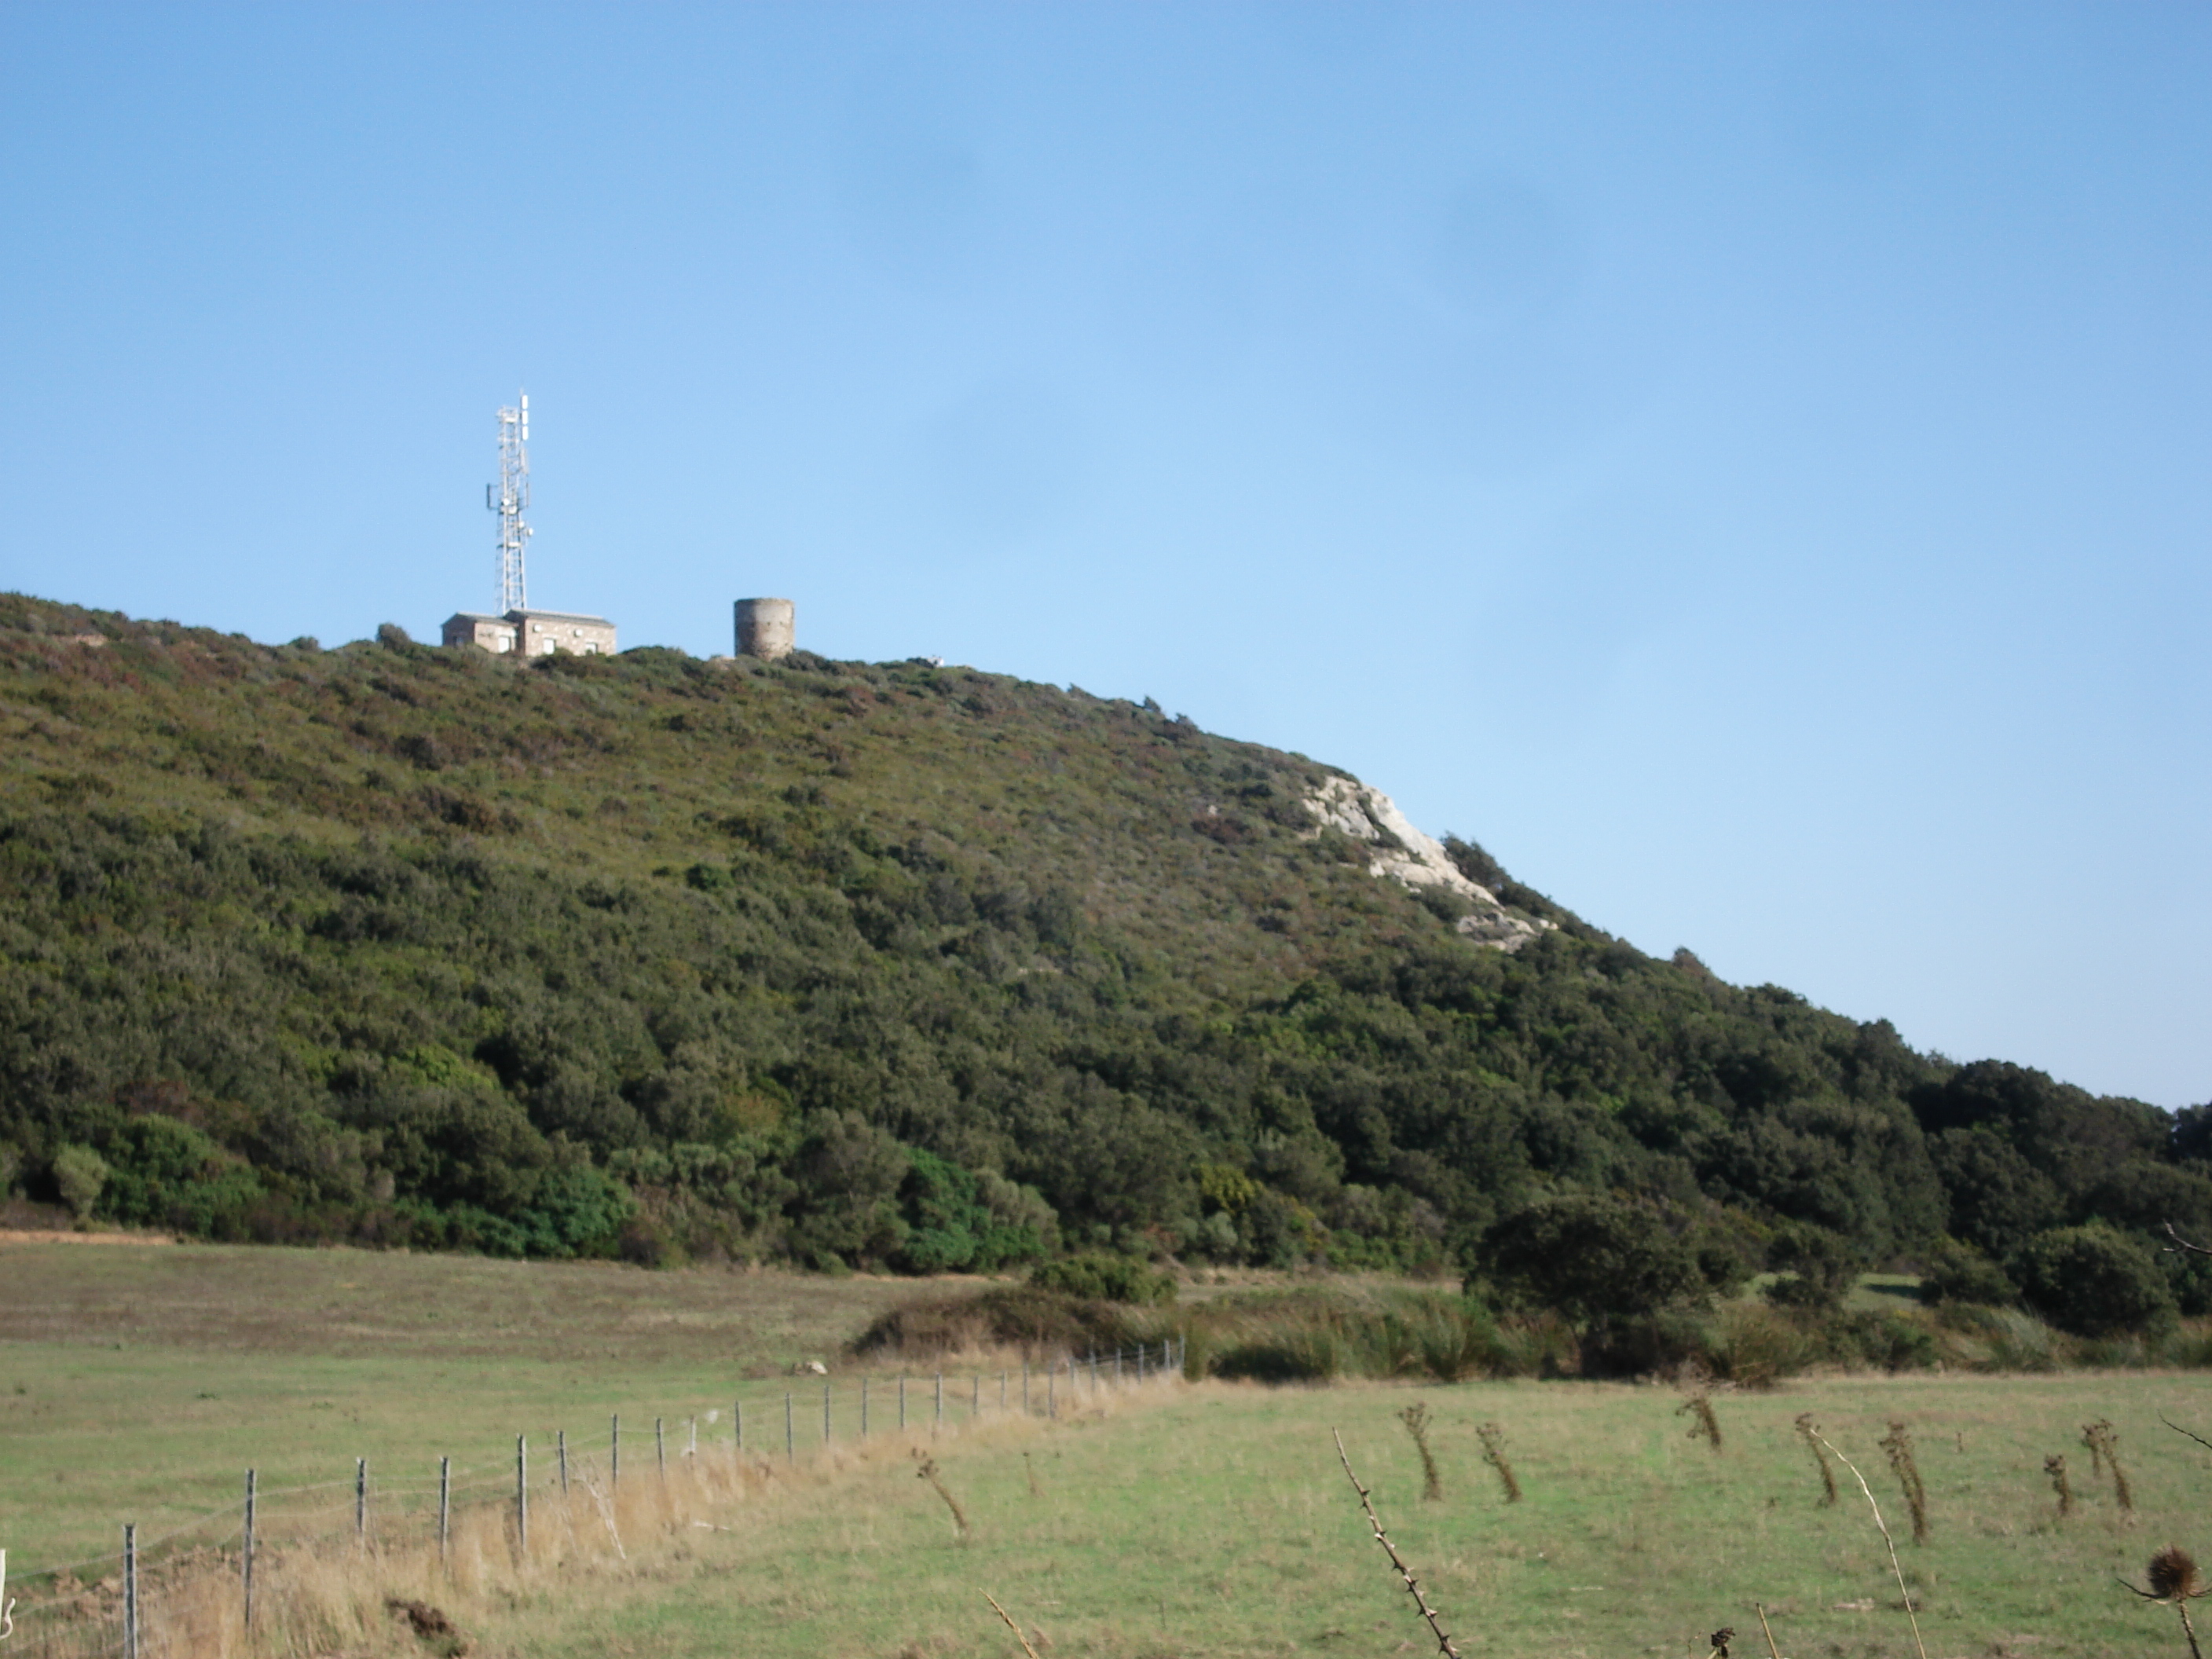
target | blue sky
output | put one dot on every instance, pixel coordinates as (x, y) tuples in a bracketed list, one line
[(1746, 466)]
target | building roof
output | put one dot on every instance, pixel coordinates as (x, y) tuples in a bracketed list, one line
[(472, 615), (558, 615)]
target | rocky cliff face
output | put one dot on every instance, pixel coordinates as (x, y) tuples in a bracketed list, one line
[(1412, 856)]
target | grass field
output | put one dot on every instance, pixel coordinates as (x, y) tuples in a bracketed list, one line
[(138, 1382), (1205, 1520)]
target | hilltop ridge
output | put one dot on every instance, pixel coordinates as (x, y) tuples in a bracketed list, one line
[(881, 963)]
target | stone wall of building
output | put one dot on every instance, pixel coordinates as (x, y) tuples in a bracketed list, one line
[(767, 629)]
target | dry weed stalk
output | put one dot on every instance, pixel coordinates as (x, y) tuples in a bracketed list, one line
[(2103, 1441), (2055, 1467), (2174, 1580), (1766, 1630), (606, 1514), (1009, 1618), (1897, 1443), (1810, 1431), (1889, 1543), (928, 1471), (1493, 1453), (1030, 1469), (1415, 1417), (2178, 1429), (1704, 1426), (1412, 1585)]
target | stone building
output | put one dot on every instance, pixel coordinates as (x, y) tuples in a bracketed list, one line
[(767, 629), (533, 633)]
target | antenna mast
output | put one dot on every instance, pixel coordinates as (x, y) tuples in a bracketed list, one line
[(507, 498)]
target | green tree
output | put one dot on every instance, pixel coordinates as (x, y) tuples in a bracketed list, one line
[(1592, 1256), (2093, 1281), (1818, 1268)]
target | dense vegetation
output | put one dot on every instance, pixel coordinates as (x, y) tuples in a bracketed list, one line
[(897, 964)]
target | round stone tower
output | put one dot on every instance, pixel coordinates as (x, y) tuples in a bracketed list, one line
[(767, 629)]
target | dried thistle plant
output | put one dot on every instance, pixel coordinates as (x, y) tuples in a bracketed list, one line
[(1035, 1491), (1412, 1585), (2055, 1467), (1415, 1417), (1704, 1426), (2093, 1437), (2103, 1441), (1493, 1453), (1810, 1432), (1720, 1639), (927, 1470), (2175, 1582), (1897, 1443)]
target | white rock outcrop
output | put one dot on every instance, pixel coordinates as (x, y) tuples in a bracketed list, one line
[(1415, 858)]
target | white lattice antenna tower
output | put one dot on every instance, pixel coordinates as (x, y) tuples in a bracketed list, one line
[(508, 498)]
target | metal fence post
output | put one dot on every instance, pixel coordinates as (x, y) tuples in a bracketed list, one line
[(521, 1496), (790, 1445), (444, 1506), (940, 1422), (660, 1448), (360, 1500), (247, 1555), (129, 1592), (614, 1450), (560, 1444)]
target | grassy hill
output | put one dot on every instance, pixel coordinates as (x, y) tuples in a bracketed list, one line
[(881, 964)]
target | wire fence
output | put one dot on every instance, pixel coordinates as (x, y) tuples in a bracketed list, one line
[(114, 1603)]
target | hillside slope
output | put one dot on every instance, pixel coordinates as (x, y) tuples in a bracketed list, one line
[(879, 964)]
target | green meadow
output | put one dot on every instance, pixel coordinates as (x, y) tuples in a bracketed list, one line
[(136, 1382), (1220, 1521)]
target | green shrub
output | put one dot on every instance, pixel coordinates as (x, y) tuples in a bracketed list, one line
[(1986, 1339), (1893, 1340), (1103, 1277), (958, 1221), (1756, 1346), (1817, 1269), (167, 1173), (79, 1173), (1958, 1273), (1042, 1323), (2094, 1282)]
